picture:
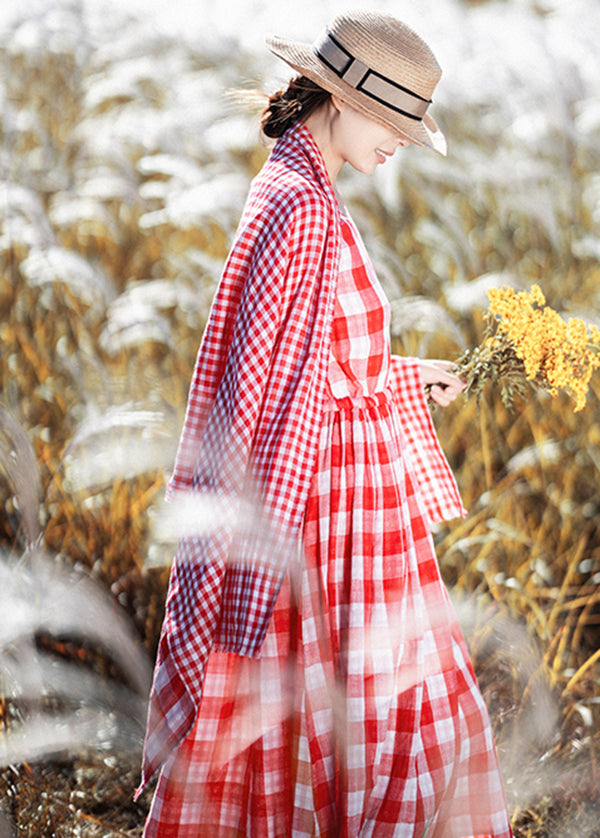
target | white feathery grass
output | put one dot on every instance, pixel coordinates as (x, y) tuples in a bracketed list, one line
[(170, 166), (89, 284), (118, 444), (131, 80), (132, 324), (201, 513), (157, 294), (546, 451), (37, 596), (19, 466), (84, 213), (216, 199), (420, 314), (197, 515), (588, 247), (465, 296), (23, 218)]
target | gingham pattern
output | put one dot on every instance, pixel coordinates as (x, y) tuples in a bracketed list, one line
[(361, 324), (361, 717), (427, 459), (252, 423), (251, 426), (362, 364)]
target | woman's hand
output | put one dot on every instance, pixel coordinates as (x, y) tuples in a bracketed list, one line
[(442, 384)]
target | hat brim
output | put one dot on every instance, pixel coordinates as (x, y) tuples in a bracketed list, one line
[(302, 58)]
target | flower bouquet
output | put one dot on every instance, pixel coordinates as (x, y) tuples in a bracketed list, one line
[(528, 343)]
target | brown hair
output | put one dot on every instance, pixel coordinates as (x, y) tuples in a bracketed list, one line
[(301, 97)]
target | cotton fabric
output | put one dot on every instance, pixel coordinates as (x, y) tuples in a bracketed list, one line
[(361, 715), (251, 432)]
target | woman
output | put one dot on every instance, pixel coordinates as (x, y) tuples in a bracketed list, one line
[(323, 691)]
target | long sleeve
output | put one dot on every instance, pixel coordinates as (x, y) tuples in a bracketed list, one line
[(434, 477), (251, 429)]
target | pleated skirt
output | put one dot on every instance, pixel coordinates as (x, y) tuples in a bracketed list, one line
[(362, 715)]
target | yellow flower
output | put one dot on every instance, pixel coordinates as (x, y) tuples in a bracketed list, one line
[(537, 296), (528, 341)]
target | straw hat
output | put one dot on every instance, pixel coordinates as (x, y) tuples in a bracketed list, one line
[(377, 64)]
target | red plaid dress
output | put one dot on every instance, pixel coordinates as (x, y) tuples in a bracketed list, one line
[(361, 715)]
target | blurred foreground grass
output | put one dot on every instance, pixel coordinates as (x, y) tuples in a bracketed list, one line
[(123, 178)]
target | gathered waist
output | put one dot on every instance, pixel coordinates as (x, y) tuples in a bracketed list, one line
[(380, 399)]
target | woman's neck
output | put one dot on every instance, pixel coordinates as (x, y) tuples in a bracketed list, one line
[(320, 123)]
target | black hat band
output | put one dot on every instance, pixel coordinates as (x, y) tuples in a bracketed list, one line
[(368, 81)]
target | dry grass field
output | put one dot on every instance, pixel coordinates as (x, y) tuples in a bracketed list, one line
[(124, 172)]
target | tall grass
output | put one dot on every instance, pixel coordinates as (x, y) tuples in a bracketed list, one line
[(124, 173)]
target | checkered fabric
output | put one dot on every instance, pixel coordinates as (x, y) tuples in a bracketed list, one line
[(251, 427), (361, 323), (361, 715), (423, 450), (251, 430)]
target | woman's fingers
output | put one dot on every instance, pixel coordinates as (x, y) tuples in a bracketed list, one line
[(443, 396), (444, 385)]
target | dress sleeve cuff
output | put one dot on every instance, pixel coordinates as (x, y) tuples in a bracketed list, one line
[(433, 474)]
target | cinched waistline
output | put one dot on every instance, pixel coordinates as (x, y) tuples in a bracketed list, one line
[(373, 400)]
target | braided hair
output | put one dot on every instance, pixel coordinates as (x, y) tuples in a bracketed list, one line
[(301, 97)]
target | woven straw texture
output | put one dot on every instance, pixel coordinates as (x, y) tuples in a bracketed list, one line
[(385, 45)]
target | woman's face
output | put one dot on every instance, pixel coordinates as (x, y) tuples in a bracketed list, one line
[(360, 141)]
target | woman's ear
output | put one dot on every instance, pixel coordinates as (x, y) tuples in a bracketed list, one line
[(337, 103)]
